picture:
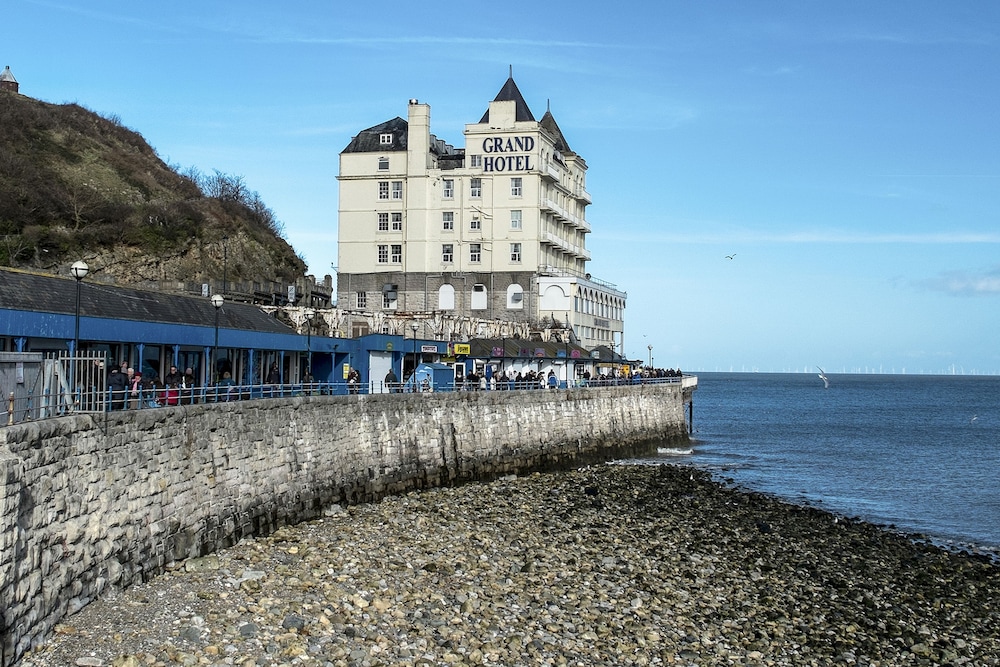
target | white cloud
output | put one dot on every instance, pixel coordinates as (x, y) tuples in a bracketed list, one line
[(965, 283)]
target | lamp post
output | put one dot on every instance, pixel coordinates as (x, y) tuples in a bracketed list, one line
[(414, 327), (566, 337), (650, 348), (309, 314), (217, 301), (79, 271)]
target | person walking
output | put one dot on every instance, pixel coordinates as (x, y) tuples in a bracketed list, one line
[(134, 388), (117, 385), (391, 381), (172, 386), (188, 384)]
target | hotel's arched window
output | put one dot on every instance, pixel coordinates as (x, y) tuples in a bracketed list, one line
[(479, 297), (515, 297), (446, 297)]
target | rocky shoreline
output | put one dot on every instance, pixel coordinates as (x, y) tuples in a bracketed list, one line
[(606, 565)]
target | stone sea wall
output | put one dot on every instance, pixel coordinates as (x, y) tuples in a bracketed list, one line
[(92, 502)]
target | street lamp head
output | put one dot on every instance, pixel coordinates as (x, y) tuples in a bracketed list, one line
[(217, 301), (309, 313), (79, 270), (414, 328)]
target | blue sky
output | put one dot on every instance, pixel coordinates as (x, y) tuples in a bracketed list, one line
[(847, 153)]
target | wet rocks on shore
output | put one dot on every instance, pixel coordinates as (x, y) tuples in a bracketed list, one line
[(606, 565)]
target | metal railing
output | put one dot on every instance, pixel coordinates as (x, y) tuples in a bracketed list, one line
[(95, 400)]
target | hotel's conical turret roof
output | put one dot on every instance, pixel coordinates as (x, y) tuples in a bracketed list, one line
[(509, 92)]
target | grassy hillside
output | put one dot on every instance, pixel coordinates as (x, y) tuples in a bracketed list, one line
[(75, 185)]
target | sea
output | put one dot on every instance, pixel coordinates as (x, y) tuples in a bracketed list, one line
[(917, 454)]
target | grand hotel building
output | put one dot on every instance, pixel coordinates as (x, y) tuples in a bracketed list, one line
[(480, 241)]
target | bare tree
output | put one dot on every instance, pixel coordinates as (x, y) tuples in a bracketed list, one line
[(225, 187)]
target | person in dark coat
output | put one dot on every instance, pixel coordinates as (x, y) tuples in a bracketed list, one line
[(188, 384), (117, 383), (172, 386), (391, 381)]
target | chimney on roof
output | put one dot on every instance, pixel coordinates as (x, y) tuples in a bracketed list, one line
[(7, 80)]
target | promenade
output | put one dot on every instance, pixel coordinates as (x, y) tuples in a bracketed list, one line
[(604, 565)]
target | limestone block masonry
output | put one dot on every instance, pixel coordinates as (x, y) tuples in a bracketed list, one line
[(89, 503)]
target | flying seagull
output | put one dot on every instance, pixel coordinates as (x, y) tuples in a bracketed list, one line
[(824, 378), (731, 256)]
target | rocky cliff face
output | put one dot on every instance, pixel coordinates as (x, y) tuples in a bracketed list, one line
[(240, 258)]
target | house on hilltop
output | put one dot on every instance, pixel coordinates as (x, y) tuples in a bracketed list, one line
[(7, 80)]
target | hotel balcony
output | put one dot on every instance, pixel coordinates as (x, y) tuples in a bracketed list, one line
[(569, 248), (552, 173)]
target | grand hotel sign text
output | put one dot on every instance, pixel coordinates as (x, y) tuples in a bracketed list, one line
[(497, 153)]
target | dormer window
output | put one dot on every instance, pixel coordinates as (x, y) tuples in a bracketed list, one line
[(385, 139)]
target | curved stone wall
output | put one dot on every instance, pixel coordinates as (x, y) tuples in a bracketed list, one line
[(93, 502)]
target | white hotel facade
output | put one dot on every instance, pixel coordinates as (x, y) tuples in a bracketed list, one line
[(481, 241)]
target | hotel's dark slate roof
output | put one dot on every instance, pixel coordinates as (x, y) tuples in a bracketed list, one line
[(548, 122), (370, 140), (510, 92), (33, 292)]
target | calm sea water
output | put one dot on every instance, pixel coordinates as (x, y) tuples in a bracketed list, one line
[(917, 452)]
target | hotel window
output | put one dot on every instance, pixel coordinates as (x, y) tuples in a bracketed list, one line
[(383, 254), (515, 186), (476, 187), (397, 222), (383, 164), (475, 252), (362, 299), (515, 220), (448, 253), (389, 300), (447, 220), (397, 254), (397, 189), (515, 252), (385, 139), (383, 189), (448, 188), (475, 223), (475, 160), (515, 297), (383, 222)]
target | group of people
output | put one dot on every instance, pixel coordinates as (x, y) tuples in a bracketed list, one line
[(130, 389), (511, 380), (638, 376)]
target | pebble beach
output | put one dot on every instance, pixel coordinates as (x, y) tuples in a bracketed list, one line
[(605, 565)]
